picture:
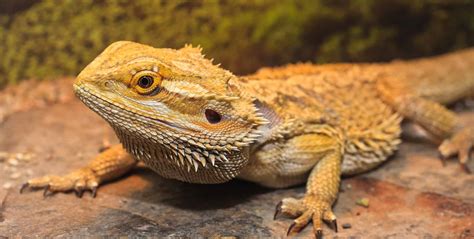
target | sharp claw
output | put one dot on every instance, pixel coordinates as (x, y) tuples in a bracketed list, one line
[(334, 223), (277, 210), (442, 158), (103, 148), (290, 228), (469, 157), (465, 168), (319, 234), (23, 186), (46, 190), (79, 192), (94, 192)]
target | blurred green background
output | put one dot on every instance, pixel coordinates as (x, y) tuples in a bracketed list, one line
[(50, 38)]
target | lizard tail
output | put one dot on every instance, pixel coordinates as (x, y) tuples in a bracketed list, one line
[(443, 79)]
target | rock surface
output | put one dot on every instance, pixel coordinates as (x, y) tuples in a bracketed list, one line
[(411, 196)]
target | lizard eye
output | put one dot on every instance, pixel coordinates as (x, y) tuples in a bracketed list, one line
[(212, 116), (147, 83)]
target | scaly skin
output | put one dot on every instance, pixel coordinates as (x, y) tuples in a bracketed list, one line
[(190, 120)]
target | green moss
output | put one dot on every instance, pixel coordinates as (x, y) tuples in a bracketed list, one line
[(53, 38)]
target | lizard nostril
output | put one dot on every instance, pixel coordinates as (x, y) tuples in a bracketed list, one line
[(212, 116), (107, 84)]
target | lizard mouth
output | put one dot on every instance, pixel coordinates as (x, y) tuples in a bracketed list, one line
[(105, 108), (98, 104)]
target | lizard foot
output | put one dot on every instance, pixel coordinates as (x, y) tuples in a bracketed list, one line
[(310, 208), (80, 181), (461, 144)]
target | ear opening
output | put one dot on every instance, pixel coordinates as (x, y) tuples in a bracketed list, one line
[(266, 112)]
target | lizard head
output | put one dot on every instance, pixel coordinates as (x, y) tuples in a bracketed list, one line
[(173, 109)]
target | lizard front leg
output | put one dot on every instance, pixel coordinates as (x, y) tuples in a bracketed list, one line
[(322, 186), (108, 165)]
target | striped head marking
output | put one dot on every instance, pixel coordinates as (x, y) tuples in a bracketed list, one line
[(173, 109)]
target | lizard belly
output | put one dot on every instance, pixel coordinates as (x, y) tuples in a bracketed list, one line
[(269, 167)]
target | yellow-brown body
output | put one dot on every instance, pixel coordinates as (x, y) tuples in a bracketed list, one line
[(193, 121)]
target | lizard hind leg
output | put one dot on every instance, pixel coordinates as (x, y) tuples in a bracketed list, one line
[(321, 189), (458, 139), (110, 164)]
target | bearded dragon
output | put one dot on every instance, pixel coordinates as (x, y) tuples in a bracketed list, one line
[(190, 120)]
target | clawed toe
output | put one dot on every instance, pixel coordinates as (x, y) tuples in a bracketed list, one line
[(94, 192), (290, 229), (79, 182), (465, 168), (23, 187), (277, 210), (79, 191), (300, 223), (46, 191), (290, 207), (319, 234), (334, 225), (306, 211)]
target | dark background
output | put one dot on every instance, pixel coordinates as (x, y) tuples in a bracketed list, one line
[(47, 39)]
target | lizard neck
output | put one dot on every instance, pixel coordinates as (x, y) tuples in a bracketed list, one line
[(177, 159)]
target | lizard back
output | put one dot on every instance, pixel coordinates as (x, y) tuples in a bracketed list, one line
[(342, 95)]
